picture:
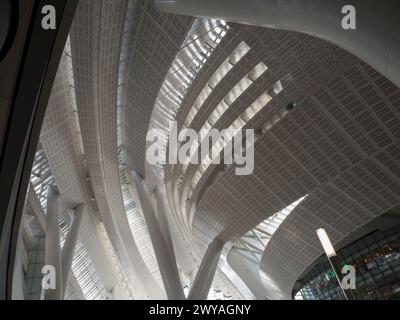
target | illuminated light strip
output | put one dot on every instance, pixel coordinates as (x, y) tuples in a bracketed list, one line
[(224, 105), (237, 54)]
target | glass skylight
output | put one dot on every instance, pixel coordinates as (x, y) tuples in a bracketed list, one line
[(200, 42), (224, 68), (237, 54), (228, 100), (222, 142), (237, 90)]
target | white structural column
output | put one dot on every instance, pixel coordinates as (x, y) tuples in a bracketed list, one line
[(249, 272), (69, 245), (162, 216), (205, 275), (53, 250), (166, 261)]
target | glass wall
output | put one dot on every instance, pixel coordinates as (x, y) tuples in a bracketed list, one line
[(33, 275), (376, 258)]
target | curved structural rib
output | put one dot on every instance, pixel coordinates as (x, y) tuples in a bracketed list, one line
[(59, 126), (96, 94), (374, 40)]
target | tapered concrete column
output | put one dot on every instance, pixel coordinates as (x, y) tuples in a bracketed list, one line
[(375, 39), (52, 249), (69, 245), (248, 271), (166, 262), (205, 275), (162, 215)]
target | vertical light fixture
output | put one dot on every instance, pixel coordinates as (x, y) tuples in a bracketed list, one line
[(333, 260), (326, 242)]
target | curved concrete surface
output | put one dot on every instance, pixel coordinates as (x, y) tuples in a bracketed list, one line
[(248, 271), (374, 40)]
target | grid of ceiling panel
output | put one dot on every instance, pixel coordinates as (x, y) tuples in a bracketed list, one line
[(223, 91), (273, 65), (272, 113), (260, 51), (233, 112), (341, 140), (155, 40)]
